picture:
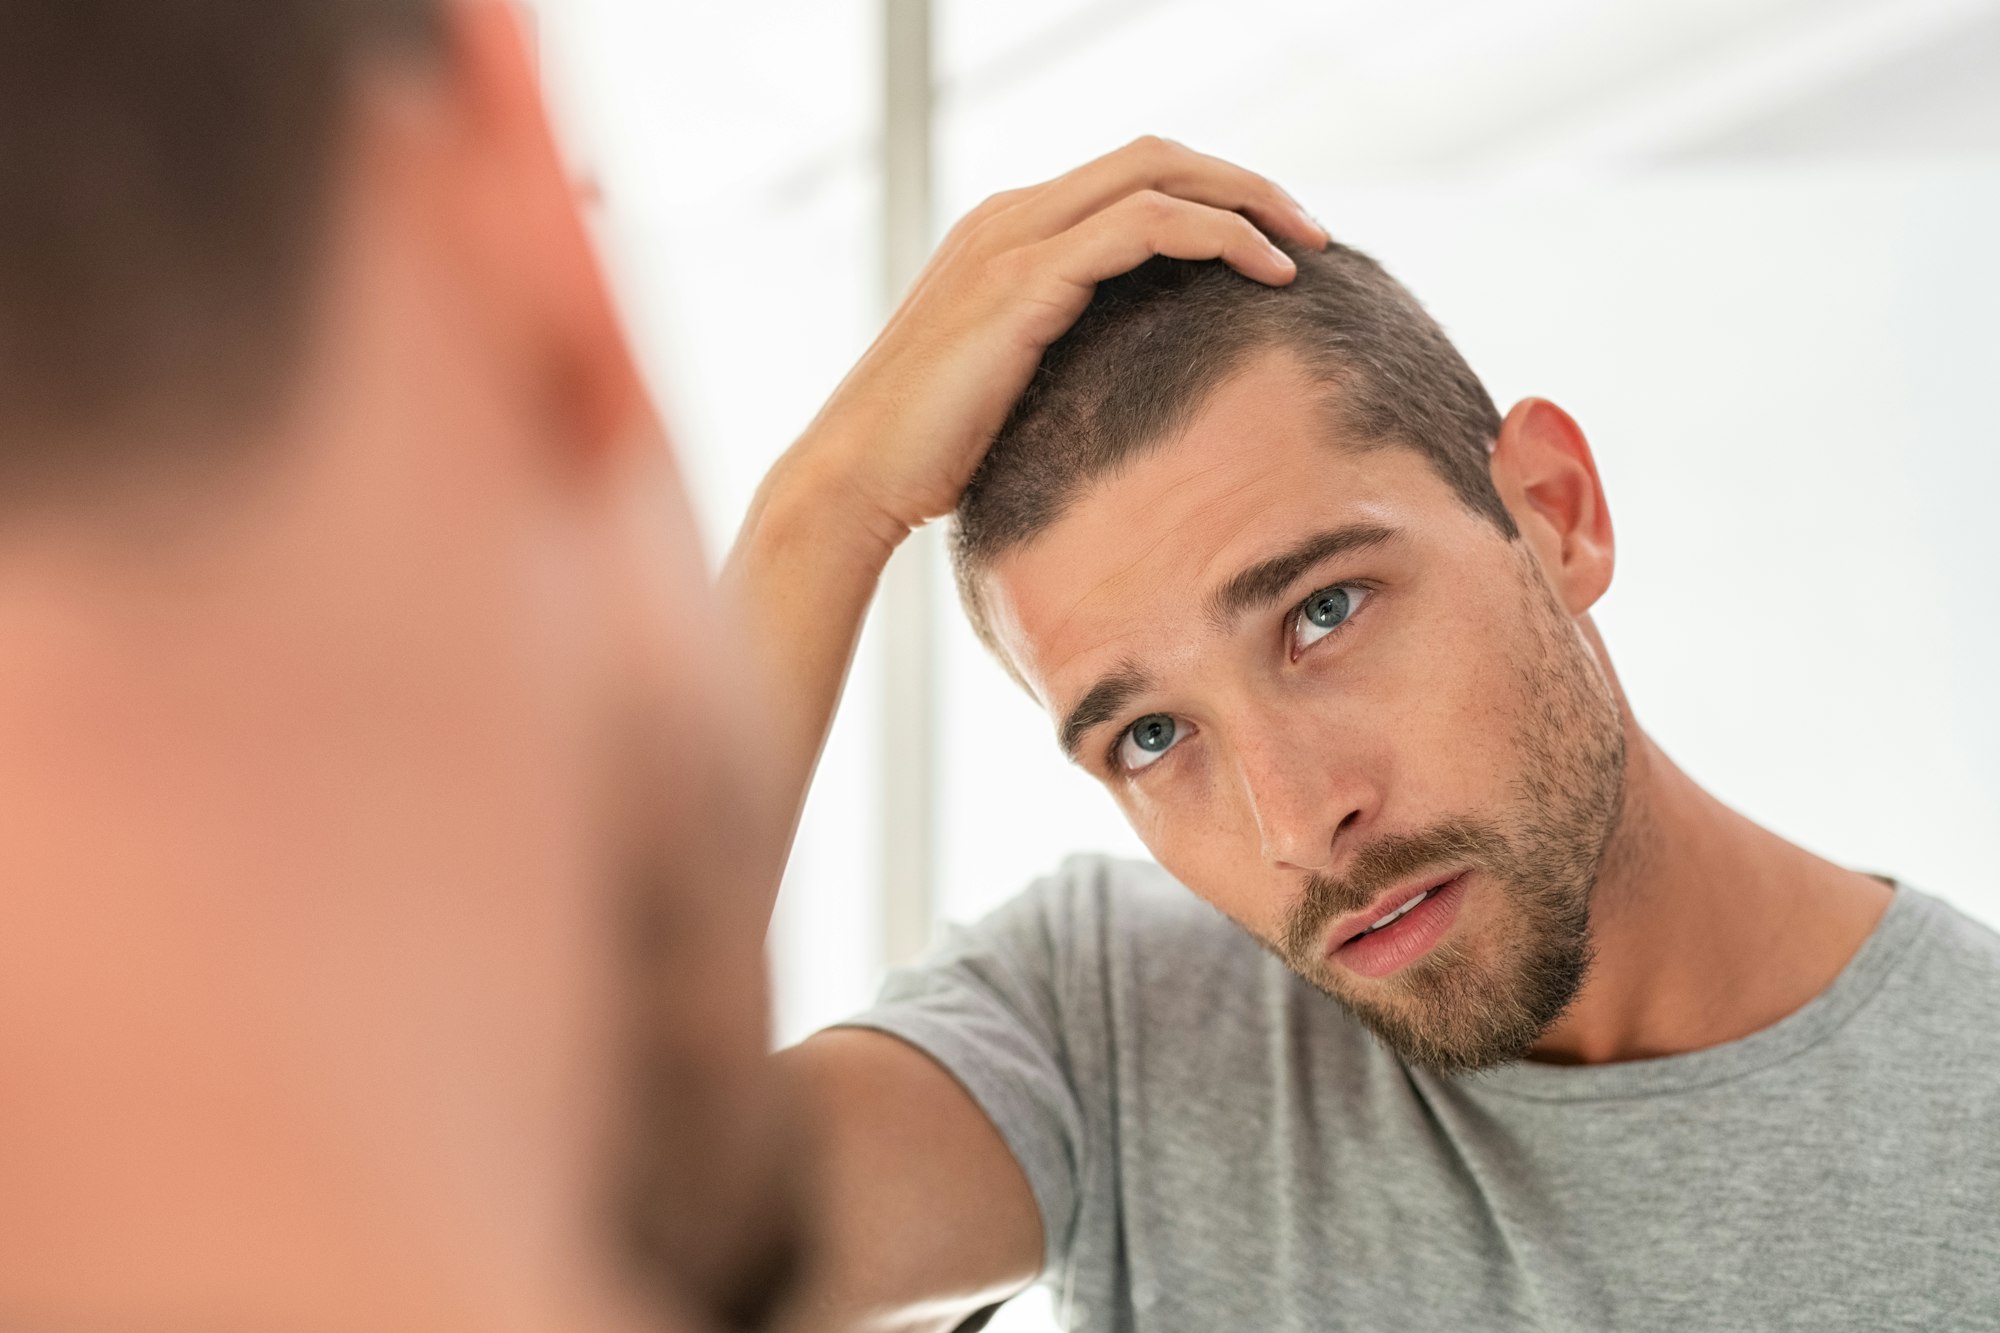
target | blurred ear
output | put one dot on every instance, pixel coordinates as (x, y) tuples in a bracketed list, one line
[(1545, 473), (512, 226)]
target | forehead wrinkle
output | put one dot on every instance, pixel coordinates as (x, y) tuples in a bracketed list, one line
[(1103, 587), (1165, 448), (1131, 562), (1250, 521)]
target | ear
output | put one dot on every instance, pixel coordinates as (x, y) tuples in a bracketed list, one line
[(1546, 476), (516, 213)]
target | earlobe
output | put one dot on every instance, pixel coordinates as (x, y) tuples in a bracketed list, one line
[(1547, 476)]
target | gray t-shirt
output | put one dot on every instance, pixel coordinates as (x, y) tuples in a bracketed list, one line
[(1215, 1146)]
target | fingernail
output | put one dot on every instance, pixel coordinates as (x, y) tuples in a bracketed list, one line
[(1283, 259)]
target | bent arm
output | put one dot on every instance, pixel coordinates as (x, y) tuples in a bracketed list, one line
[(799, 579)]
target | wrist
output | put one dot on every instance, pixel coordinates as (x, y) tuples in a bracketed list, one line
[(809, 501)]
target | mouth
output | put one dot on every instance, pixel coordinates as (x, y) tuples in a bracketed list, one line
[(1406, 923)]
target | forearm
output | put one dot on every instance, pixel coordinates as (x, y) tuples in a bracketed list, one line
[(799, 580)]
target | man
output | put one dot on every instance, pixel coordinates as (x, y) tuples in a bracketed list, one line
[(1492, 1018), (384, 852)]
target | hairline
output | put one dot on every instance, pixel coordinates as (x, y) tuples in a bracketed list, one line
[(1328, 374)]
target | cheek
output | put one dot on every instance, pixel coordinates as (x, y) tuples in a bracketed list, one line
[(1417, 725), (1209, 843), (1457, 710)]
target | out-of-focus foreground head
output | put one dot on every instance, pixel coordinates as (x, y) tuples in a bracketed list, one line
[(377, 946), (1318, 617)]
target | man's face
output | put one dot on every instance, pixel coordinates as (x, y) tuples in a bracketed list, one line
[(1320, 685)]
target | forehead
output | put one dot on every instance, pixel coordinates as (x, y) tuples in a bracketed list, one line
[(1125, 573)]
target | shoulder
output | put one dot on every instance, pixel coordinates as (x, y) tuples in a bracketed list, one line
[(1133, 944), (1944, 992), (1109, 931), (1070, 929), (1959, 958), (1114, 904)]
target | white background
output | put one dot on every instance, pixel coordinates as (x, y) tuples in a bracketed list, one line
[(1750, 244)]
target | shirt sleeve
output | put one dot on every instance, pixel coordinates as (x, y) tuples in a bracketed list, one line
[(989, 1006)]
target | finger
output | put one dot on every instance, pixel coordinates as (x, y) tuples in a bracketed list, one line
[(1122, 237), (1154, 164), (988, 208), (962, 236)]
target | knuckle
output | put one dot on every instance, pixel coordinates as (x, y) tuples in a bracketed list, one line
[(1006, 270), (986, 209), (998, 202), (966, 228)]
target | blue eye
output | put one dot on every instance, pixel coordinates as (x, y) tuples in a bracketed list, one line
[(1324, 612), (1146, 740)]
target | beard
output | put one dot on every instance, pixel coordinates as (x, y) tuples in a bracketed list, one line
[(1462, 1007)]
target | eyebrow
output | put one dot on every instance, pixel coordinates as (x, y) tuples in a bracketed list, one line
[(1268, 580), (1101, 703), (1259, 585)]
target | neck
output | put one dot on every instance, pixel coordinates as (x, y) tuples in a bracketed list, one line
[(1707, 926)]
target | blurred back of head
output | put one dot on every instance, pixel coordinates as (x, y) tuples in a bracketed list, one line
[(167, 172), (381, 940)]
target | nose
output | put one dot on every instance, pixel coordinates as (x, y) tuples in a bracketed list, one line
[(1303, 797)]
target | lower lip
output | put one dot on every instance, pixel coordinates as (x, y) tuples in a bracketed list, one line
[(1408, 938)]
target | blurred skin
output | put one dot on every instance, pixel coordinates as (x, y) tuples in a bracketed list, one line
[(381, 945)]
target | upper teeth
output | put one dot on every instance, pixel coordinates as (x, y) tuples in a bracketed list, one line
[(1400, 910)]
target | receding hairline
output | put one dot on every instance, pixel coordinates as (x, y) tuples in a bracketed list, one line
[(1323, 381), (177, 165), (1153, 347)]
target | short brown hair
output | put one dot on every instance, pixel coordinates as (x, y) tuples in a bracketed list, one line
[(162, 174), (1156, 342)]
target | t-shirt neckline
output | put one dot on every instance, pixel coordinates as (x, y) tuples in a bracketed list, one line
[(1902, 924)]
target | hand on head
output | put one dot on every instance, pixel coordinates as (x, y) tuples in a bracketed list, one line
[(908, 425)]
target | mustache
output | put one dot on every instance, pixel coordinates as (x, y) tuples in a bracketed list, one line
[(1379, 866)]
